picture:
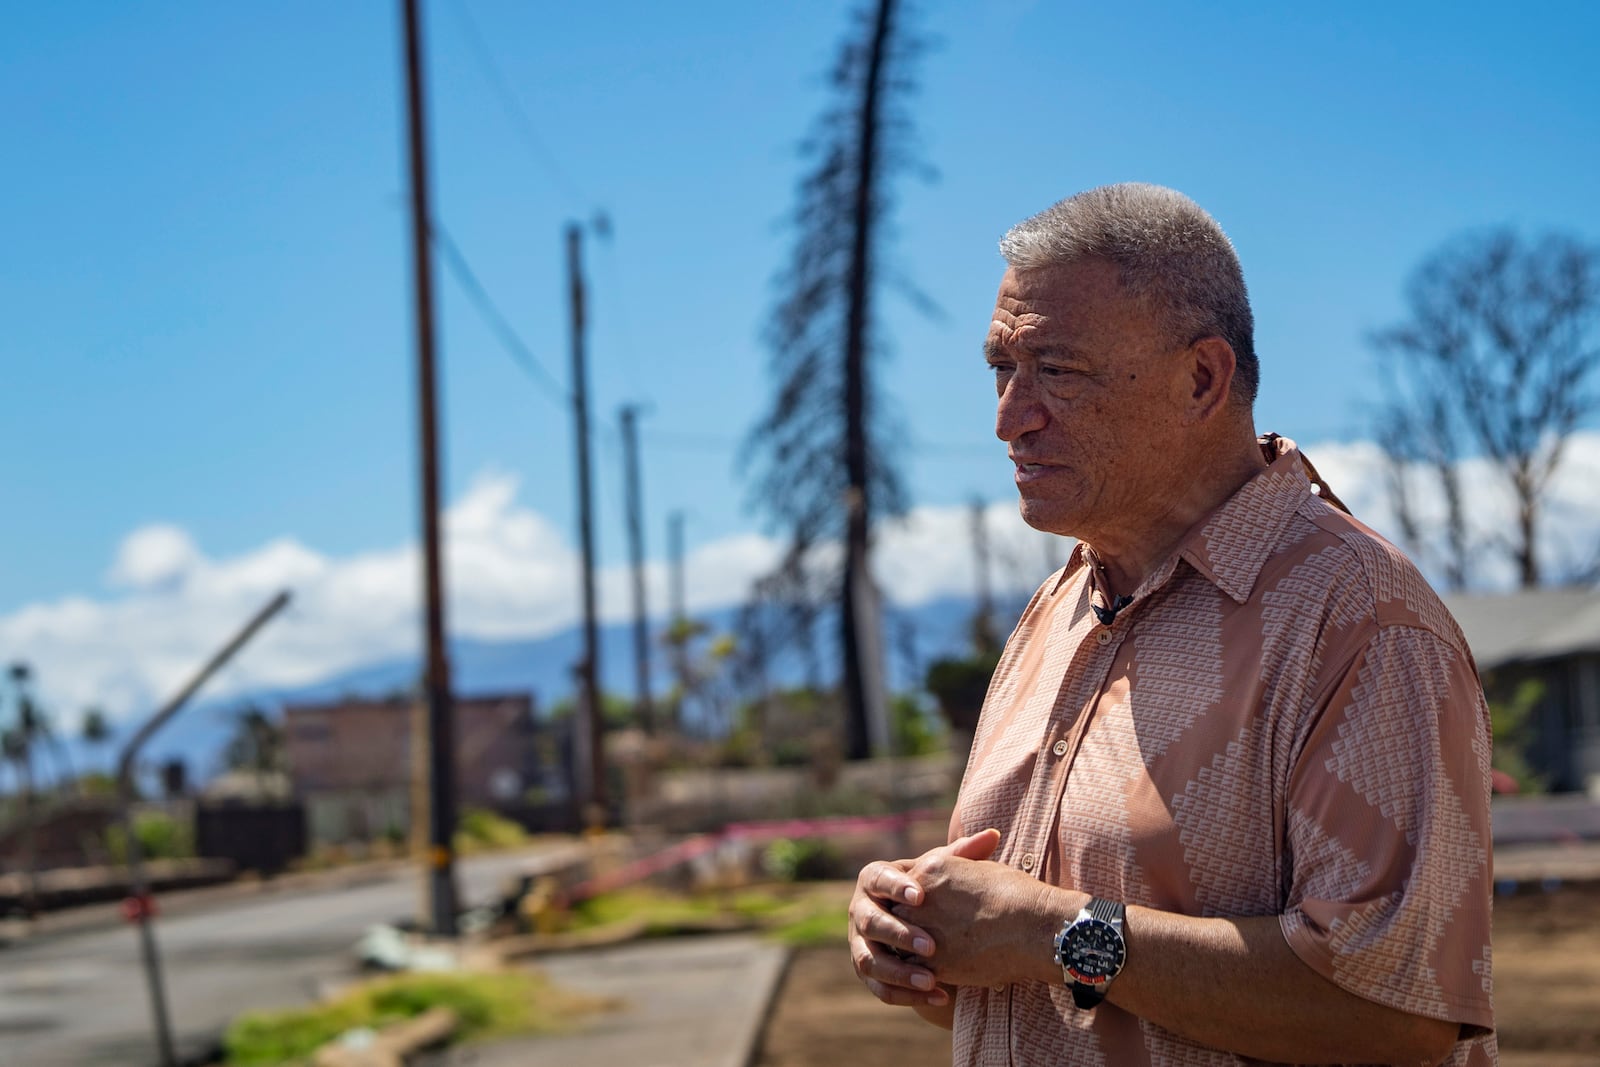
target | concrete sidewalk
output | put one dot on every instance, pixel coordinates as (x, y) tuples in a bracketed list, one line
[(686, 1002)]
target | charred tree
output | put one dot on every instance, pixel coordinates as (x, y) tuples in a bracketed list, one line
[(824, 445), (1496, 361)]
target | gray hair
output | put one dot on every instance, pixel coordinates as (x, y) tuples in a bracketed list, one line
[(1167, 250)]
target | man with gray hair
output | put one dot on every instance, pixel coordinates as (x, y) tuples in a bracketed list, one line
[(1228, 799)]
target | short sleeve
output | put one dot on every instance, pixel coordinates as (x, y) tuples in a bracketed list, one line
[(1389, 881)]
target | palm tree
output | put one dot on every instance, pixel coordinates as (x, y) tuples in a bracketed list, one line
[(256, 745), (96, 729), (17, 743)]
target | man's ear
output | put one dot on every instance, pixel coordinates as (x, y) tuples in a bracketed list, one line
[(1211, 367)]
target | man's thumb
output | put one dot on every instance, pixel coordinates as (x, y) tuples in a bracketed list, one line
[(978, 846)]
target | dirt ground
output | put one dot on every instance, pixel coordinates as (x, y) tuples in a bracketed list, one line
[(1547, 996)]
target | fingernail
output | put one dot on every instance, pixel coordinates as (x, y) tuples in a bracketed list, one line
[(922, 981), (922, 946), (913, 895), (938, 996)]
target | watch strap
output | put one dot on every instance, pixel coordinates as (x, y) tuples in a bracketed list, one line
[(1108, 911)]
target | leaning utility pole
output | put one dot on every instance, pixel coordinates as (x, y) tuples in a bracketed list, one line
[(590, 746), (139, 907), (436, 680), (641, 630)]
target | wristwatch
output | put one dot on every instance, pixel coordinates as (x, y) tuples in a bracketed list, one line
[(1092, 950)]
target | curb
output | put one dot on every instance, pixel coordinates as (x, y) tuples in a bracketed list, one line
[(749, 1047)]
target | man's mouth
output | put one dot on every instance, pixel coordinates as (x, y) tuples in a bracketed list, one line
[(1027, 472)]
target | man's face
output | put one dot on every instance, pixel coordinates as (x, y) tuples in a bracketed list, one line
[(1090, 398)]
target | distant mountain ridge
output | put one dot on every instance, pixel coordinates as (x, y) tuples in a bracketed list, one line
[(913, 638)]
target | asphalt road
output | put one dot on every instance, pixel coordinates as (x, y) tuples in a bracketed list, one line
[(76, 999)]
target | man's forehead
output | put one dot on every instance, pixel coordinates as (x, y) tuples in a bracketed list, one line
[(1014, 329), (1049, 306)]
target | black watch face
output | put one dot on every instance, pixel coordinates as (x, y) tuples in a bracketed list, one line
[(1092, 951)]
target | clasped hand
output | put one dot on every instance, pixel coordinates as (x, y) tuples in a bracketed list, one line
[(950, 917)]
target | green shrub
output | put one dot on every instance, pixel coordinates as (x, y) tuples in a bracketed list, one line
[(917, 731), (161, 837), (808, 860), (479, 829)]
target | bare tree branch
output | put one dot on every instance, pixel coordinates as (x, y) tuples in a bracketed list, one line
[(1496, 360)]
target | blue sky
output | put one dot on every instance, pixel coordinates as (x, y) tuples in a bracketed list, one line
[(206, 288)]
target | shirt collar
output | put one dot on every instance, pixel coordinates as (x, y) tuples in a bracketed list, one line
[(1231, 545)]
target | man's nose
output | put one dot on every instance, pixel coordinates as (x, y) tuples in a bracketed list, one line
[(1019, 410)]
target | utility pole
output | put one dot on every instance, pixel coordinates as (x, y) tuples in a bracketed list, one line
[(677, 609), (980, 557), (641, 630), (590, 747), (436, 680), (983, 638)]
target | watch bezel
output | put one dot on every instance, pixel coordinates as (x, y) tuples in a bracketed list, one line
[(1073, 940), (1089, 986)]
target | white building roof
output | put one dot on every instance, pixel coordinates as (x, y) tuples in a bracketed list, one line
[(1532, 625)]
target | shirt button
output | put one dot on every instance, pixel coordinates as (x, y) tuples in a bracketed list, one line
[(1027, 861), (1104, 637), (1060, 748)]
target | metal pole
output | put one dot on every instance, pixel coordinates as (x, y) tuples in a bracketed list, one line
[(590, 748), (436, 680), (138, 885), (983, 638), (678, 610), (641, 630)]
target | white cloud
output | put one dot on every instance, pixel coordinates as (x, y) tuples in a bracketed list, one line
[(929, 553), (511, 574), (153, 556)]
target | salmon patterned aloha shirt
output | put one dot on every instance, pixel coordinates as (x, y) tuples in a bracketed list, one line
[(1284, 721)]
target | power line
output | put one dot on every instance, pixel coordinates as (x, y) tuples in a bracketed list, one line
[(917, 449), (692, 441), (509, 339), (513, 107)]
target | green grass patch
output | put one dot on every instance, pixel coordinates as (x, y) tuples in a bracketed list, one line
[(794, 915), (664, 913), (820, 923), (488, 1005)]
